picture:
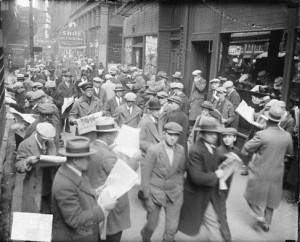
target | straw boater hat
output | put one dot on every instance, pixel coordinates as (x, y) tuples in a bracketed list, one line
[(78, 146), (173, 128), (208, 124), (105, 124)]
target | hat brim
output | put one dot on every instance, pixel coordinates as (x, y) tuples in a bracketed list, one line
[(154, 108), (209, 108), (62, 151), (173, 132), (272, 119), (179, 77), (106, 130), (277, 87)]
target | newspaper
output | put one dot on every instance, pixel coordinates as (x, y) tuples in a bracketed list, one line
[(88, 123), (246, 112), (31, 226), (22, 116), (50, 160), (67, 103)]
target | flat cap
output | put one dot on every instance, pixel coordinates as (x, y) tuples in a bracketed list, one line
[(281, 104), (228, 84), (67, 73), (29, 95), (177, 75), (130, 97), (175, 99), (196, 72), (108, 76), (173, 128), (20, 76), (86, 85), (17, 85), (221, 90), (162, 94), (50, 84), (46, 131), (243, 78), (261, 74), (215, 80), (119, 88), (37, 85), (177, 85), (133, 68), (37, 94), (230, 131), (45, 108), (98, 79), (151, 90)]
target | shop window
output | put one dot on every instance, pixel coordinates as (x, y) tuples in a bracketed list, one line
[(150, 55)]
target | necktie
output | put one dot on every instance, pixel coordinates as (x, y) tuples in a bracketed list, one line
[(44, 149)]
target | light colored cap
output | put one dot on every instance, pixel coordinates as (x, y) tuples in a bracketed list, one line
[(50, 84), (130, 96), (173, 128), (37, 84), (273, 102), (196, 72), (98, 79), (46, 131), (243, 78), (17, 85), (178, 85), (108, 76), (20, 76), (235, 60), (37, 94), (228, 84), (215, 80), (162, 94), (221, 90)]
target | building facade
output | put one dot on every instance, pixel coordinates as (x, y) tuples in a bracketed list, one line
[(207, 35), (103, 30)]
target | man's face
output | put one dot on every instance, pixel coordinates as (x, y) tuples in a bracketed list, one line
[(162, 100), (205, 111), (174, 106), (97, 84), (211, 137), (221, 95), (155, 113), (197, 77), (110, 138), (68, 79), (129, 103), (229, 139), (119, 94), (215, 85), (228, 89), (81, 163), (46, 117), (88, 92), (171, 139)]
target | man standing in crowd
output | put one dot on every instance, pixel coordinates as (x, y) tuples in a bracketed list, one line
[(264, 188), (128, 113), (225, 108), (86, 105), (234, 97), (98, 91), (185, 106), (55, 94), (203, 205), (116, 101), (76, 212), (197, 95), (162, 182), (68, 89), (37, 182), (100, 166)]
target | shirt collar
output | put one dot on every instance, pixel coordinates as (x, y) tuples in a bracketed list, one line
[(78, 172), (39, 144)]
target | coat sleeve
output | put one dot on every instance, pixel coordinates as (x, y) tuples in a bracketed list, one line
[(199, 176), (253, 145), (147, 167), (69, 204), (116, 116), (74, 112), (21, 159), (231, 115), (144, 144)]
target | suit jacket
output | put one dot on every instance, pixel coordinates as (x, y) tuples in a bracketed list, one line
[(185, 105), (81, 108), (235, 99), (111, 105), (122, 116), (288, 123), (36, 182), (160, 180), (149, 134), (197, 97), (264, 187), (101, 94), (226, 108), (201, 187), (76, 214), (99, 168), (67, 91)]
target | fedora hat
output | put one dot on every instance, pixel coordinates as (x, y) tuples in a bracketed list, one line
[(208, 124), (275, 113), (105, 124), (154, 104), (207, 105), (177, 75), (77, 146)]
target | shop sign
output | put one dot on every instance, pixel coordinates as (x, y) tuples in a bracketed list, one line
[(234, 50), (71, 36)]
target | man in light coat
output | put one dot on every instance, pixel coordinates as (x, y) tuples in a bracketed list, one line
[(197, 95), (98, 91), (225, 108), (76, 211), (128, 113), (38, 180), (264, 187), (162, 182)]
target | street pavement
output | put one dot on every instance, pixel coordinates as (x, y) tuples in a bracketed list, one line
[(284, 225)]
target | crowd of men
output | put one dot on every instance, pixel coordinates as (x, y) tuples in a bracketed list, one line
[(185, 143)]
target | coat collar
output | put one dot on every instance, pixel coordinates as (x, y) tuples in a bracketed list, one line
[(152, 127), (165, 159), (209, 159)]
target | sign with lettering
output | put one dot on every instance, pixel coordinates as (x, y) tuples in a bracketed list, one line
[(88, 123), (71, 36)]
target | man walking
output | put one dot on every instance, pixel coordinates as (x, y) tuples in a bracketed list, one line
[(162, 182)]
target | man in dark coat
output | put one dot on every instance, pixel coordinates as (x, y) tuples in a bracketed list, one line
[(162, 182), (203, 205), (76, 211), (98, 91), (114, 102), (185, 106), (178, 116), (56, 95), (264, 187)]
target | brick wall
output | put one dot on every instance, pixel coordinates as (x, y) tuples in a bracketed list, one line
[(163, 51), (144, 21)]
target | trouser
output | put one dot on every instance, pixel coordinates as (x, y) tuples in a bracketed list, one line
[(113, 237), (172, 211), (211, 228), (262, 214)]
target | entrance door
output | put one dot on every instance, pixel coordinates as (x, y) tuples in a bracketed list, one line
[(174, 57), (137, 57)]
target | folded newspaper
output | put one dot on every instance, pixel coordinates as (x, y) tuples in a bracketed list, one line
[(246, 112)]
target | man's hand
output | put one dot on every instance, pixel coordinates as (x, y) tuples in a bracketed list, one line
[(219, 173), (30, 161), (223, 120), (73, 122)]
